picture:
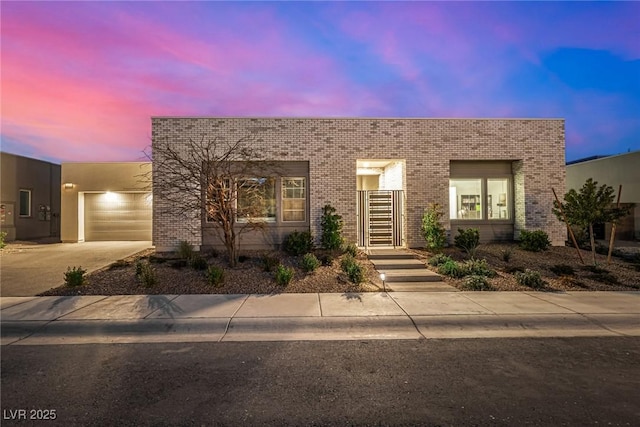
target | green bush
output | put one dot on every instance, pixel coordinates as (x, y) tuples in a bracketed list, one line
[(468, 240), (3, 235), (478, 267), (147, 274), (74, 276), (432, 229), (309, 263), (298, 243), (351, 249), (215, 275), (534, 241), (270, 262), (562, 270), (530, 278), (185, 250), (284, 275), (331, 224), (476, 283), (439, 259), (452, 269), (354, 271), (506, 254), (197, 262)]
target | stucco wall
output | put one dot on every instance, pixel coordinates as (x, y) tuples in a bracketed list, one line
[(43, 179), (96, 177), (332, 147)]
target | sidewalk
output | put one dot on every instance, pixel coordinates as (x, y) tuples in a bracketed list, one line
[(286, 317)]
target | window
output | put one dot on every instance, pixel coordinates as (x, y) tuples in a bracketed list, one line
[(498, 202), (294, 199), (479, 199), (465, 198), (25, 202), (256, 199)]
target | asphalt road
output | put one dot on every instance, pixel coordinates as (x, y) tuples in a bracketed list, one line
[(27, 270), (569, 381)]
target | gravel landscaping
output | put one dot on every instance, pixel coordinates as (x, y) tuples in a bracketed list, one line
[(173, 276)]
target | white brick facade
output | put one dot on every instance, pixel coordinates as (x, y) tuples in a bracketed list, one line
[(332, 147)]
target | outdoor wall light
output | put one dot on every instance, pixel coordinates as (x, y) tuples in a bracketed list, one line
[(383, 277), (68, 185)]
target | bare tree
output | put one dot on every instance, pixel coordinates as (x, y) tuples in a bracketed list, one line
[(225, 183)]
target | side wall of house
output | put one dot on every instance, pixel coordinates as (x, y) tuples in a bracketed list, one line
[(42, 180), (332, 147)]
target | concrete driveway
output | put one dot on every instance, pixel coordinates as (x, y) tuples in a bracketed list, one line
[(27, 270)]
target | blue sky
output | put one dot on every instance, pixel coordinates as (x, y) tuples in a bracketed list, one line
[(80, 80)]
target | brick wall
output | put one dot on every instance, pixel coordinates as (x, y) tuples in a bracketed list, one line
[(332, 147)]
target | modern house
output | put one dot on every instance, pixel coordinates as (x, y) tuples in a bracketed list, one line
[(30, 198), (106, 201), (615, 171), (380, 174)]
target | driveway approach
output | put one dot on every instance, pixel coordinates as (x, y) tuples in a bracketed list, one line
[(31, 269)]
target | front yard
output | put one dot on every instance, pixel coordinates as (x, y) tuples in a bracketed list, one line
[(559, 268)]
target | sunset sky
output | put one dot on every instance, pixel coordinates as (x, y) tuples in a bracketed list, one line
[(80, 80)]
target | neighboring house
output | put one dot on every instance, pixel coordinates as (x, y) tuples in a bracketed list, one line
[(380, 174), (30, 198), (623, 169), (106, 201)]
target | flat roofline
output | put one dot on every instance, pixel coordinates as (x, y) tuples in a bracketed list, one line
[(355, 118), (107, 163), (599, 157)]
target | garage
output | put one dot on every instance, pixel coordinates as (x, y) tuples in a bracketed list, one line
[(117, 216)]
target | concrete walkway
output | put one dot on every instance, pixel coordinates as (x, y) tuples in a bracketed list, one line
[(283, 317)]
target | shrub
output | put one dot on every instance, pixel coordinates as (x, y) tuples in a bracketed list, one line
[(309, 263), (215, 275), (530, 278), (331, 224), (3, 235), (185, 250), (439, 259), (284, 275), (354, 271), (327, 257), (468, 240), (506, 254), (478, 267), (452, 269), (562, 270), (432, 229), (197, 262), (298, 243), (270, 262), (476, 283), (74, 276), (351, 249), (145, 273), (534, 241), (511, 269)]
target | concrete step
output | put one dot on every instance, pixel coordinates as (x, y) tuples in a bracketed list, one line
[(388, 254), (420, 287), (412, 275), (397, 264)]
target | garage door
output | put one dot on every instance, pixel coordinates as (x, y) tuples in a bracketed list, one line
[(117, 216)]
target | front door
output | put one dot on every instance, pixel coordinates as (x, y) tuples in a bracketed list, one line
[(380, 218)]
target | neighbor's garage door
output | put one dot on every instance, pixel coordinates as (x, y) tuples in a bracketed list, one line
[(117, 216)]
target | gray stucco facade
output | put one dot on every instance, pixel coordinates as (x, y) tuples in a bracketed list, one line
[(419, 155)]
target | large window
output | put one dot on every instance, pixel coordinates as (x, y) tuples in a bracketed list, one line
[(256, 199), (479, 199), (25, 203), (294, 199)]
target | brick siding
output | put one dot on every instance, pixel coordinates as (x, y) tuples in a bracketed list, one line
[(333, 145)]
